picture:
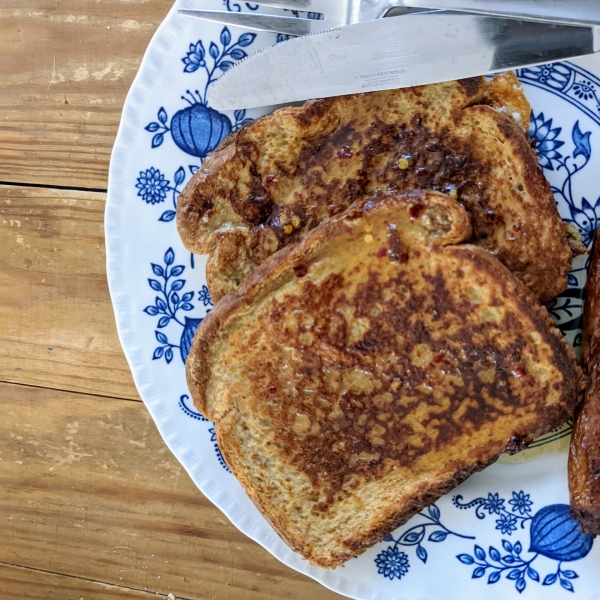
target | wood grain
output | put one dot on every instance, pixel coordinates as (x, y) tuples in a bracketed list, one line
[(88, 489), (57, 327), (65, 68), (18, 583)]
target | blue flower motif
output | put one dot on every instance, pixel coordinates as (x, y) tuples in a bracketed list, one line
[(204, 296), (493, 504), (152, 186), (194, 59), (546, 143), (521, 503), (555, 75), (584, 90), (507, 523), (392, 563), (586, 219)]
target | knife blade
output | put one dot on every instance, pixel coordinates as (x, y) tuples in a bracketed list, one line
[(573, 12), (392, 53)]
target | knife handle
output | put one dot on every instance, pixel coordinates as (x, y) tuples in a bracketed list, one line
[(566, 12)]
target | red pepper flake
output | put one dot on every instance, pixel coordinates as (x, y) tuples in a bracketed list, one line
[(517, 226), (272, 389), (438, 358), (382, 253), (519, 372), (300, 270)]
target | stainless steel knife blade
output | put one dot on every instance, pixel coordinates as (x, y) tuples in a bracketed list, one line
[(569, 12), (392, 53)]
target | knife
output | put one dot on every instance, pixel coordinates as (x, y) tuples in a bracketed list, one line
[(568, 12), (393, 53)]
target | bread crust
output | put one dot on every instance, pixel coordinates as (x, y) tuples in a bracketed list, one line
[(236, 373), (584, 455), (272, 181)]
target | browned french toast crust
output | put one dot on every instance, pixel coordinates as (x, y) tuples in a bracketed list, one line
[(275, 179), (359, 375), (584, 456)]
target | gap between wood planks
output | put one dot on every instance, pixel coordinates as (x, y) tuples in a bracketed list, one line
[(54, 187), (86, 580)]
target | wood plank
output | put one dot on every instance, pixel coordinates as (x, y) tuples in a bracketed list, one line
[(18, 583), (65, 68), (88, 488), (57, 327)]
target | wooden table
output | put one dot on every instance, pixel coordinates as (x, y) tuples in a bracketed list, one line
[(92, 503)]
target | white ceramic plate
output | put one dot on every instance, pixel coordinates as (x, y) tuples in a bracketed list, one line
[(504, 533)]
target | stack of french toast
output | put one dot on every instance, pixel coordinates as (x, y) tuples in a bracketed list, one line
[(379, 263)]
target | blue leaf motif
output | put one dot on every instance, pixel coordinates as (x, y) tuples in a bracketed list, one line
[(388, 538), (169, 355), (157, 270), (413, 537), (465, 559), (177, 271), (161, 304), (479, 552), (239, 115), (434, 512), (152, 127), (494, 554), (507, 545), (155, 285), (533, 574), (438, 536), (214, 50), (570, 574), (162, 115), (169, 256), (494, 577), (246, 39), (567, 585), (550, 579), (187, 296), (179, 176), (556, 535), (175, 298), (478, 572), (582, 142), (225, 36), (163, 322), (518, 547), (177, 285), (161, 337), (158, 353), (194, 169), (514, 574), (157, 140), (167, 216), (187, 337), (225, 65), (237, 54), (187, 306), (521, 585), (422, 553), (151, 310)]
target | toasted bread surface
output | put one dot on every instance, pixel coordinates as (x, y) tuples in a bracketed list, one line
[(360, 374), (584, 457), (271, 182)]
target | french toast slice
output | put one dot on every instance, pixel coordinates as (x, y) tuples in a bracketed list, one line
[(362, 373), (584, 456), (268, 184)]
